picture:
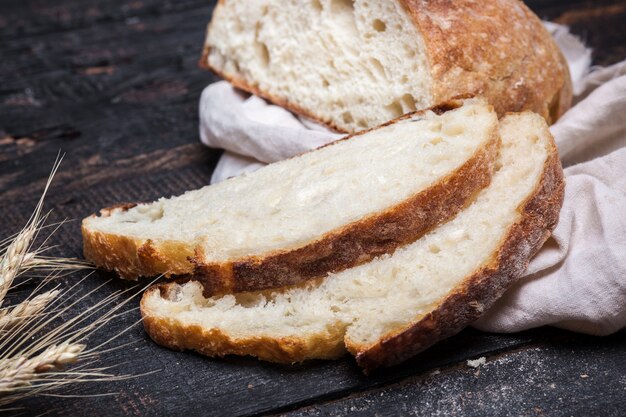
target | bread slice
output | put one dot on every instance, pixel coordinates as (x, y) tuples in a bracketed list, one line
[(322, 211), (396, 305), (354, 64)]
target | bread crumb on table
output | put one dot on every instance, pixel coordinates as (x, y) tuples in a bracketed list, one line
[(477, 362)]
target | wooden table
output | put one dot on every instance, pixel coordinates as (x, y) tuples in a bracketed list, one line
[(115, 85)]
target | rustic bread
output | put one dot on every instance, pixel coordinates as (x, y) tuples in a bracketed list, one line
[(354, 64), (301, 218), (396, 305)]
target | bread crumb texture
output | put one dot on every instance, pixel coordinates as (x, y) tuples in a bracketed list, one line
[(357, 63), (365, 307)]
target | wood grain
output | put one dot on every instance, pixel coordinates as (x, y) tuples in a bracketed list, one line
[(571, 377), (114, 84)]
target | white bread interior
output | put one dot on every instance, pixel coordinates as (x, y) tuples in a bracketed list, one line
[(288, 204), (358, 63), (363, 305)]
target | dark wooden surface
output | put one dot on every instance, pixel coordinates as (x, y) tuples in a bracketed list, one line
[(114, 84)]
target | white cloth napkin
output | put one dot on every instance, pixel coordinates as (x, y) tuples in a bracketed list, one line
[(578, 280)]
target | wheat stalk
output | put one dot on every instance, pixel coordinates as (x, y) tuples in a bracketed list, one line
[(41, 349), (13, 258), (17, 252), (20, 371), (26, 310)]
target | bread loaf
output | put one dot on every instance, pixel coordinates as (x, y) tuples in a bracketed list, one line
[(322, 211), (396, 305), (354, 64)]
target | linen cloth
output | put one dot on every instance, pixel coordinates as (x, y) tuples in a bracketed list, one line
[(578, 279)]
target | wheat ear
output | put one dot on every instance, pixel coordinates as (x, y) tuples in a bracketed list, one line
[(20, 371), (13, 258), (18, 250), (40, 336), (25, 311)]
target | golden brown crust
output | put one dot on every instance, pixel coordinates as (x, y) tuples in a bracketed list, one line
[(353, 244), (467, 302), (358, 242), (540, 214), (170, 333), (497, 49), (132, 258)]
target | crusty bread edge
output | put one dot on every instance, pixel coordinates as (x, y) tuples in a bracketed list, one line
[(131, 258), (554, 104), (168, 332), (341, 248), (360, 241), (539, 216), (478, 292), (508, 90)]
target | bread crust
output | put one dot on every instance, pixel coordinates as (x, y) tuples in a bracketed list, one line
[(342, 248), (497, 49), (213, 342), (358, 242), (478, 292), (131, 258), (466, 303)]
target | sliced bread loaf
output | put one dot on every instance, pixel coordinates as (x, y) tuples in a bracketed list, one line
[(396, 305), (322, 211), (355, 64)]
